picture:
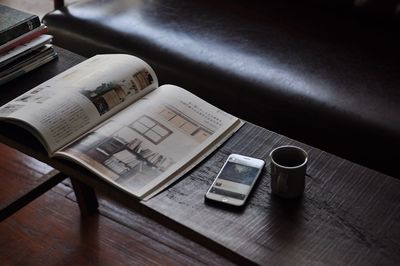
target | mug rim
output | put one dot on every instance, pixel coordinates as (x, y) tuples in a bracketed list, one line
[(291, 147)]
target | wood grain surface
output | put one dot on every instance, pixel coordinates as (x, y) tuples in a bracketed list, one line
[(51, 231), (348, 215)]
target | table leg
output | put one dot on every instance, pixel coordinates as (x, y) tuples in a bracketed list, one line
[(58, 4), (86, 197), (51, 180)]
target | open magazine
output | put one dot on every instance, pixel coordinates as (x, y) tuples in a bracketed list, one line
[(109, 115)]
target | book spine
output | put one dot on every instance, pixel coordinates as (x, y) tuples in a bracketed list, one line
[(22, 39), (19, 29)]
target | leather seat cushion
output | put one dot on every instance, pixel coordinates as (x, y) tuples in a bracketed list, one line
[(323, 76)]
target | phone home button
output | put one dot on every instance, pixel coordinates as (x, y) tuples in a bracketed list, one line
[(224, 199)]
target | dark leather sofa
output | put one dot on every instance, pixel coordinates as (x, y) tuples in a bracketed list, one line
[(323, 72)]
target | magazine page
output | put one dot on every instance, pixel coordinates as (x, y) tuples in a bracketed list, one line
[(68, 105), (152, 141)]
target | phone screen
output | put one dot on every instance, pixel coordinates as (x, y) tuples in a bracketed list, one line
[(235, 180)]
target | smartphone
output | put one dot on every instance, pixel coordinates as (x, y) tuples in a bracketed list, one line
[(235, 180)]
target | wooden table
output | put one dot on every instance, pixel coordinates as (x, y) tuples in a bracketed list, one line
[(348, 215)]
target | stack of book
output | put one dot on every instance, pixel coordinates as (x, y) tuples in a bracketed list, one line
[(24, 45)]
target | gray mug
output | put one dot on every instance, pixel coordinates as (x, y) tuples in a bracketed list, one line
[(288, 171)]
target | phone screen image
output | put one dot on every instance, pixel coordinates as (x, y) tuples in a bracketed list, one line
[(235, 180)]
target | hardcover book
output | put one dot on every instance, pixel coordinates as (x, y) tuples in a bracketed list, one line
[(22, 39), (109, 115), (14, 23)]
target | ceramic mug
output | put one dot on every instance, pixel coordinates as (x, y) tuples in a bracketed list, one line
[(288, 171)]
